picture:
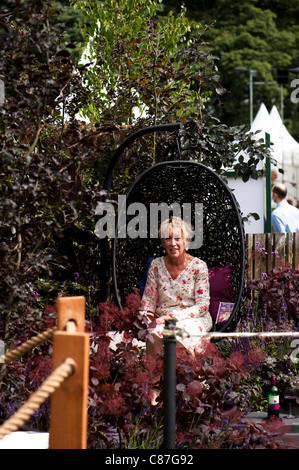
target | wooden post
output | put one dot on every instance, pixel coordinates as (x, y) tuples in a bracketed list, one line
[(289, 250), (68, 424), (269, 249), (250, 255), (71, 308), (280, 247), (296, 250), (260, 259)]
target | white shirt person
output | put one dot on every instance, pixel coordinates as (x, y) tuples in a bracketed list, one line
[(285, 217)]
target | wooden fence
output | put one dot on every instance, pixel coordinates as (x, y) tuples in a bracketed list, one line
[(267, 250)]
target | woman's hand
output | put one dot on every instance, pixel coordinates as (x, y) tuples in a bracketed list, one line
[(148, 316)]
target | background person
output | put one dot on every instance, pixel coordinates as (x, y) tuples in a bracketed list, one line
[(285, 218), (177, 286)]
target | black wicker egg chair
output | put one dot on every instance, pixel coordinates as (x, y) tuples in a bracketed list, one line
[(223, 242)]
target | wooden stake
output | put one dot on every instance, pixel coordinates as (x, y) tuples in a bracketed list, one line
[(71, 308), (68, 424)]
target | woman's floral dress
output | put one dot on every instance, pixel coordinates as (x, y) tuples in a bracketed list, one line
[(185, 298)]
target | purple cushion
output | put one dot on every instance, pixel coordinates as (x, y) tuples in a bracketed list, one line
[(220, 287)]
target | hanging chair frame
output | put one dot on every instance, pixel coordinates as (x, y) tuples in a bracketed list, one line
[(240, 297)]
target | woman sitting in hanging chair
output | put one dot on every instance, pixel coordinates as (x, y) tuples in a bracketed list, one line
[(177, 287)]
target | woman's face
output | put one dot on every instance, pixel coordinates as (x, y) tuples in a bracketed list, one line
[(174, 244)]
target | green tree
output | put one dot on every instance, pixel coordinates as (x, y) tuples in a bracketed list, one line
[(255, 42), (260, 35), (163, 66), (139, 62)]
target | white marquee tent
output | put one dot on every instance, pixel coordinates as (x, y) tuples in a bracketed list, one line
[(251, 195), (285, 149)]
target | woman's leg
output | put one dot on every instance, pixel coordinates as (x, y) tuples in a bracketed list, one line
[(153, 348)]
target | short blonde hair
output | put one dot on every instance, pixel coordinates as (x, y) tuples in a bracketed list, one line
[(176, 224)]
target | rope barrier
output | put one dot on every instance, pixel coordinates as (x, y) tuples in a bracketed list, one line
[(169, 336), (262, 334), (214, 334), (68, 367), (55, 379), (69, 403), (11, 356)]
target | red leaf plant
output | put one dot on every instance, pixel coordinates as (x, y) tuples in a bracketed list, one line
[(121, 409), (124, 380)]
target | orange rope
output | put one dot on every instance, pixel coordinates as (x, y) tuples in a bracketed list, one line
[(58, 376)]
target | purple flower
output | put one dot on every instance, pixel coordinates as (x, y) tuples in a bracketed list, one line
[(76, 276)]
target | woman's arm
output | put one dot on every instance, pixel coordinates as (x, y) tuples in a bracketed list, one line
[(150, 295), (202, 289)]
